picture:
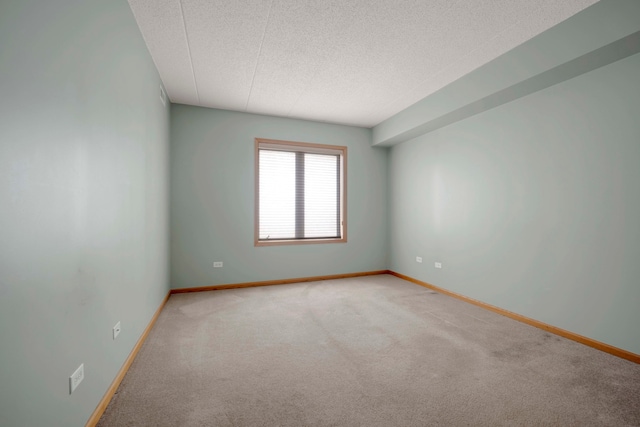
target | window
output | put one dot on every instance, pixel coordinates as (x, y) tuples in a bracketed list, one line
[(300, 193)]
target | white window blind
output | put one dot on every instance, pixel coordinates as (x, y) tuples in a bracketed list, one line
[(300, 192)]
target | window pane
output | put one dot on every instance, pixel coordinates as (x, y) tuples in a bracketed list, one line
[(277, 195), (321, 196)]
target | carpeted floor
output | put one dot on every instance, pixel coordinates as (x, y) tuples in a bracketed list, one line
[(372, 351)]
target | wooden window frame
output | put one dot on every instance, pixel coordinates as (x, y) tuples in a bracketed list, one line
[(310, 148)]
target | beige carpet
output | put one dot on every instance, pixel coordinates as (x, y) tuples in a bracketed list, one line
[(372, 351)]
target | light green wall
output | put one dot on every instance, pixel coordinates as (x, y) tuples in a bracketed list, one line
[(212, 200), (533, 206), (83, 203)]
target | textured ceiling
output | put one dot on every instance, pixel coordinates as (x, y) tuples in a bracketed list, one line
[(355, 62)]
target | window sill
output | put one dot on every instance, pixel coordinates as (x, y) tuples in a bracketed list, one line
[(298, 242)]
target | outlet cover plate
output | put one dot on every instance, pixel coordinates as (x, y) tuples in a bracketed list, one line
[(76, 378), (419, 259), (116, 330), (438, 265), (217, 264)]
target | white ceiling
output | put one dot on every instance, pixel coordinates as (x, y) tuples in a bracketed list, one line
[(355, 62)]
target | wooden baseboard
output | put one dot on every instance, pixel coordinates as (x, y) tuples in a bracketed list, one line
[(541, 325), (102, 406), (277, 282)]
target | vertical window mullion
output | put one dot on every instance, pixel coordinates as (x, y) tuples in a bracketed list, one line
[(300, 195)]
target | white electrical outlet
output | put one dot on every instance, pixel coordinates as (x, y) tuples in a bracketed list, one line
[(116, 330), (438, 265), (217, 264), (76, 378), (419, 259)]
